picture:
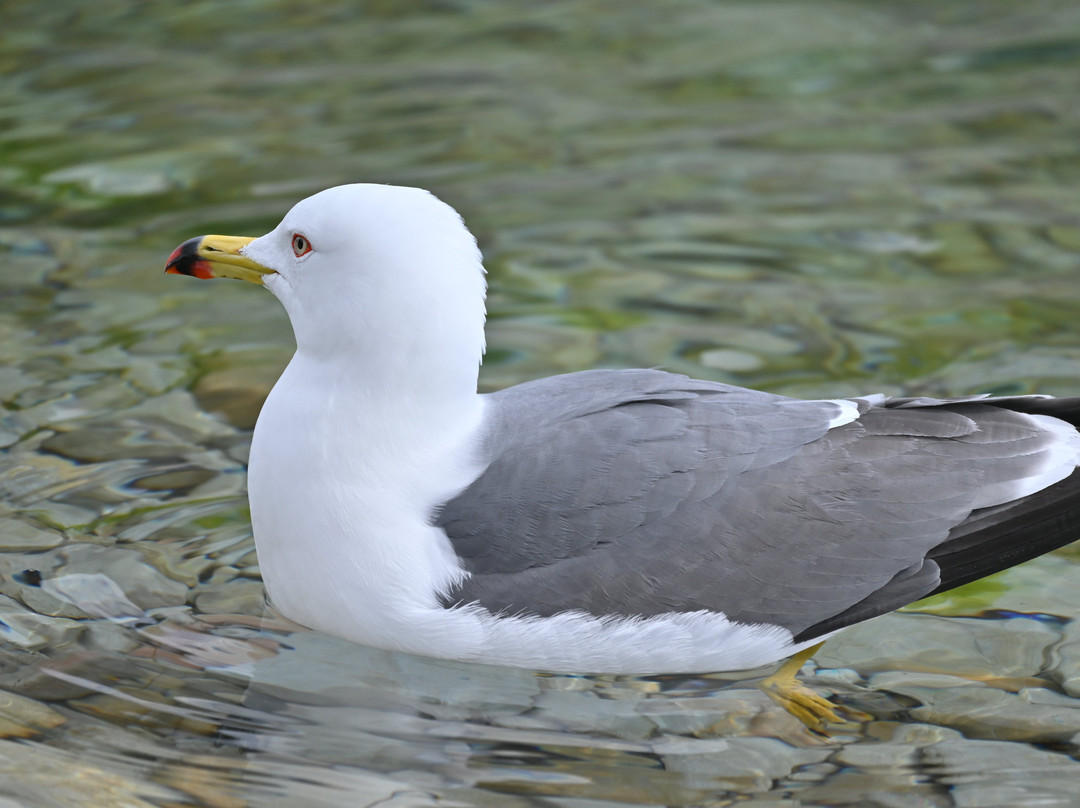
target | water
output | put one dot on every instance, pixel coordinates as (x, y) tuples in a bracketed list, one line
[(817, 198)]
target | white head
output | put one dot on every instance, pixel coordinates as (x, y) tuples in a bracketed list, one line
[(384, 281)]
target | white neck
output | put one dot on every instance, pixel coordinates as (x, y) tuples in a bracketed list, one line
[(429, 360), (399, 462)]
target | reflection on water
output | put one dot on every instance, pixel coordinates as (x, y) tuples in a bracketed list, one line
[(817, 198)]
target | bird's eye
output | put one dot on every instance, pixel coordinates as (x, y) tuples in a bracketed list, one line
[(300, 245)]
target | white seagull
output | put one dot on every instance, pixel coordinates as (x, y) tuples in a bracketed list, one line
[(607, 521)]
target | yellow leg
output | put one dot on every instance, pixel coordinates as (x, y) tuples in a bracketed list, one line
[(799, 700)]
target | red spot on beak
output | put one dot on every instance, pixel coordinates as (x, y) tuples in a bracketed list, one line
[(185, 260)]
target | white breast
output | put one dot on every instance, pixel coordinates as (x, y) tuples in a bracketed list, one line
[(341, 512)]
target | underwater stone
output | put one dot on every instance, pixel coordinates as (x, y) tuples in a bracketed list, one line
[(742, 764), (946, 645), (22, 535), (233, 597), (1032, 716), (30, 630)]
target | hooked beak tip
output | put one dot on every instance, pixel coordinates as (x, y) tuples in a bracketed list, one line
[(185, 260)]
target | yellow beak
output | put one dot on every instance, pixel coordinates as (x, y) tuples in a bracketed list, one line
[(216, 257)]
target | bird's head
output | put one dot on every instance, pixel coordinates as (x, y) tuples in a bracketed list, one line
[(379, 270)]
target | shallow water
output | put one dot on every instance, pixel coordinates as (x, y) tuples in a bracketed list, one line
[(818, 198)]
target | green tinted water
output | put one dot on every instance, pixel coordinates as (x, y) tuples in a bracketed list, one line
[(819, 198)]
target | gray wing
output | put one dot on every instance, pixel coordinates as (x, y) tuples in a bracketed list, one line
[(642, 492)]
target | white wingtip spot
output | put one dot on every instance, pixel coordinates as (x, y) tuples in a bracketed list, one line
[(849, 411), (1058, 461)]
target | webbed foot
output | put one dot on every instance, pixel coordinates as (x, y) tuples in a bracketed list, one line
[(815, 711)]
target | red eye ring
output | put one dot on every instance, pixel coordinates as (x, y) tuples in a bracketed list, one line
[(300, 245)]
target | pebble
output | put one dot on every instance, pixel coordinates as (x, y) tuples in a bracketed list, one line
[(30, 771), (37, 613), (575, 711), (1066, 671), (987, 774), (879, 756), (898, 788), (743, 764), (143, 585), (232, 597), (93, 593), (202, 649), (944, 645), (107, 637), (724, 713), (151, 376), (1031, 716), (22, 717), (910, 733), (237, 383), (352, 786), (22, 535)]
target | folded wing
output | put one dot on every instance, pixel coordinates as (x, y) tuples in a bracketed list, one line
[(638, 493)]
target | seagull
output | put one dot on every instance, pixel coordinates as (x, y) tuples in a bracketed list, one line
[(604, 521)]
